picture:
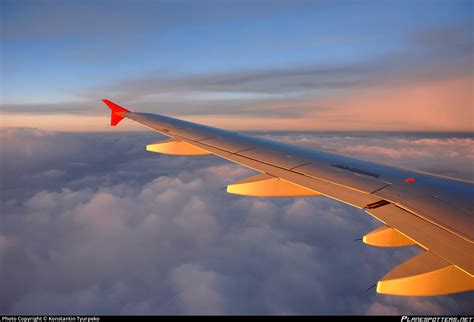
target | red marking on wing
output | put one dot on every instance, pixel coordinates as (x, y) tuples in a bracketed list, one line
[(116, 112), (410, 180)]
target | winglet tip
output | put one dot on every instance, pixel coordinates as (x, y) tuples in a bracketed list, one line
[(114, 107), (116, 112)]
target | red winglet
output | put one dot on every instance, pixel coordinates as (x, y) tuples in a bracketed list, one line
[(116, 112)]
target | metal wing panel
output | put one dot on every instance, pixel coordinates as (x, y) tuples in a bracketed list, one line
[(439, 241), (343, 174), (175, 127), (351, 181), (445, 202), (272, 153), (231, 142), (329, 189)]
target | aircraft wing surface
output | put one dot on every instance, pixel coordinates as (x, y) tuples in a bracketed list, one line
[(434, 212)]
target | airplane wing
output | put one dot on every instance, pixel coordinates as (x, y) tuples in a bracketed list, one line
[(434, 212)]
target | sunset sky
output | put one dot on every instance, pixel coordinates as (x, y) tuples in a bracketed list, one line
[(248, 65)]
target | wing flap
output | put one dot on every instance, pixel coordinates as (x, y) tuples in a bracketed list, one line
[(429, 236), (456, 213)]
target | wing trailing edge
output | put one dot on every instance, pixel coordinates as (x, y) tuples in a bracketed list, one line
[(447, 263)]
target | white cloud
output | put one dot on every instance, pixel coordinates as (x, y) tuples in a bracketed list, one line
[(197, 289), (123, 231)]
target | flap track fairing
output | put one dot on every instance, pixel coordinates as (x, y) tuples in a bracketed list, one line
[(264, 185), (175, 147)]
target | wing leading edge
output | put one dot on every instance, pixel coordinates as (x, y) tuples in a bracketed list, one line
[(433, 212)]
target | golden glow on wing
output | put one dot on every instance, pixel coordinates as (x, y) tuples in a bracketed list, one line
[(423, 275), (264, 185), (386, 237), (176, 148)]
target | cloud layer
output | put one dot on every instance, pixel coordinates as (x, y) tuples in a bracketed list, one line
[(94, 224)]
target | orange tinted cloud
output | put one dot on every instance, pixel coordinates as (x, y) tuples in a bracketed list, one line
[(66, 122), (445, 105), (441, 105)]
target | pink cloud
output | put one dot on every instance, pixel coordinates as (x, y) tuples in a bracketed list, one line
[(433, 105)]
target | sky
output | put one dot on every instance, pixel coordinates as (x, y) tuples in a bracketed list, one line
[(245, 65), (92, 223)]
